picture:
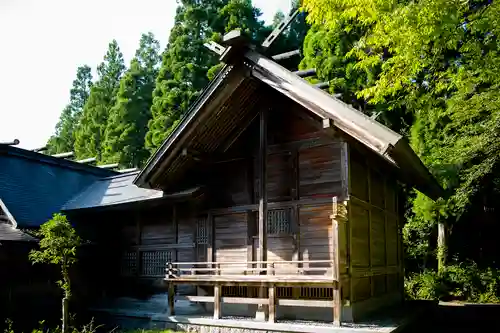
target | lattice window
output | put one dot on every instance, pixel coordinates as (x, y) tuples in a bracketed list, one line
[(202, 231), (129, 263), (279, 221), (154, 263)]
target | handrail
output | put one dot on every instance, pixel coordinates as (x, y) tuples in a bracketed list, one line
[(179, 269), (253, 262)]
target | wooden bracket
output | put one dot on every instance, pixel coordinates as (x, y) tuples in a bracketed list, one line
[(214, 47), (279, 29), (328, 126)]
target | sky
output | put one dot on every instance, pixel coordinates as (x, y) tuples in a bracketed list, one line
[(43, 42)]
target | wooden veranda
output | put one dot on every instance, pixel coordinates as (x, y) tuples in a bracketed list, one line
[(264, 276)]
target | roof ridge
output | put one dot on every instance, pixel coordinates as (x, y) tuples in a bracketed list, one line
[(60, 162)]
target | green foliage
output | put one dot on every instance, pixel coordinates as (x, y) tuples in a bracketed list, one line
[(90, 132), (431, 68), (58, 244), (459, 281), (87, 328), (63, 139), (187, 66), (426, 285), (185, 63), (128, 119)]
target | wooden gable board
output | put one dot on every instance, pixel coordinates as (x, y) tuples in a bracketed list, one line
[(386, 143)]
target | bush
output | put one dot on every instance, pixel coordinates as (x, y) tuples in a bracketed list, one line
[(426, 285), (88, 328), (462, 281)]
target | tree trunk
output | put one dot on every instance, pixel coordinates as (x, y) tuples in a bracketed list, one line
[(442, 248), (65, 315)]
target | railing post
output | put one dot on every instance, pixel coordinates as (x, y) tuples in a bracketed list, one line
[(337, 302), (272, 303), (217, 301), (272, 268), (337, 308), (171, 289), (217, 268)]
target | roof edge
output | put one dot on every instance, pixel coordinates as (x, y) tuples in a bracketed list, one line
[(61, 162), (144, 177), (6, 211)]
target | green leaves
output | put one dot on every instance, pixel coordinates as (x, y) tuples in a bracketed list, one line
[(63, 139), (58, 244), (128, 119), (91, 130), (432, 68)]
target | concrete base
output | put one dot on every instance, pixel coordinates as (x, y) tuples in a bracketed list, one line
[(360, 310), (208, 325)]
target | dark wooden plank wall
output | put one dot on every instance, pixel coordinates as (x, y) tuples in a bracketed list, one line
[(231, 239), (374, 239), (304, 165)]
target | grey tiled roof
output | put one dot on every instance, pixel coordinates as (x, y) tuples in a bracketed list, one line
[(111, 191), (8, 227), (35, 186), (9, 233)]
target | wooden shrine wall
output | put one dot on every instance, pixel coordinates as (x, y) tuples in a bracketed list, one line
[(375, 242), (304, 173)]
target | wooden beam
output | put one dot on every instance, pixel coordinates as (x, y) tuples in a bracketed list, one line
[(64, 155), (227, 300), (305, 72), (244, 300), (305, 303), (214, 47), (201, 299), (286, 55), (322, 85), (279, 29)]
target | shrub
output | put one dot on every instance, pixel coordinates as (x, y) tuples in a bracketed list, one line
[(426, 285), (462, 281)]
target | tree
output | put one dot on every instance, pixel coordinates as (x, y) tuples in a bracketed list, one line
[(187, 66), (63, 139), (90, 133), (58, 244), (439, 60), (128, 119), (185, 63)]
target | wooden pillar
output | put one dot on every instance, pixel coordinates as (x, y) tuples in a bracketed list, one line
[(337, 306), (171, 289), (262, 310), (217, 301), (272, 304), (138, 243), (171, 299), (175, 223), (211, 238), (251, 231), (263, 187)]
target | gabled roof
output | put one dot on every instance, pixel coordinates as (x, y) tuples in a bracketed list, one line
[(8, 227), (35, 186), (110, 191), (242, 77)]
